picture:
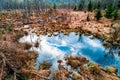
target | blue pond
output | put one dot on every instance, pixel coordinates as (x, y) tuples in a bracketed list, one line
[(57, 47)]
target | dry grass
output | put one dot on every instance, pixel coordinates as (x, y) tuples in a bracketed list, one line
[(17, 59), (15, 56)]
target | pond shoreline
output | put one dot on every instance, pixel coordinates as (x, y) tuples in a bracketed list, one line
[(60, 20), (34, 38)]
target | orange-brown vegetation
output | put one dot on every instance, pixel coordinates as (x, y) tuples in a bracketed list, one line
[(15, 59)]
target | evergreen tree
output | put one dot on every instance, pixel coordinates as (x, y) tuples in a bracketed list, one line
[(95, 5), (90, 6), (115, 13), (99, 5), (81, 5), (118, 4), (98, 14), (54, 6), (109, 10), (75, 8)]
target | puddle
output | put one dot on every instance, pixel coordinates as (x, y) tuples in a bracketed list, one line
[(57, 47)]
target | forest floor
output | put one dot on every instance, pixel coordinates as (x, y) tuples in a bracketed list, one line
[(18, 63)]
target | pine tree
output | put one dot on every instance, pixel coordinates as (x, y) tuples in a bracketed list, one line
[(90, 6), (99, 5), (118, 4), (115, 13), (81, 5), (75, 8), (109, 10), (98, 14), (54, 6), (96, 4)]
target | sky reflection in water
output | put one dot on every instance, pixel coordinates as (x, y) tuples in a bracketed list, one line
[(57, 47)]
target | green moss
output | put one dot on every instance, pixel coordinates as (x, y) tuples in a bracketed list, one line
[(110, 70), (26, 78), (45, 65), (2, 30), (92, 64), (9, 77), (94, 68), (76, 76), (9, 28)]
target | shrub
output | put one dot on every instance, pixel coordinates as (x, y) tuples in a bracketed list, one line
[(88, 18)]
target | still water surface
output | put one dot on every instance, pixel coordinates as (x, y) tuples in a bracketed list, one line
[(57, 47)]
